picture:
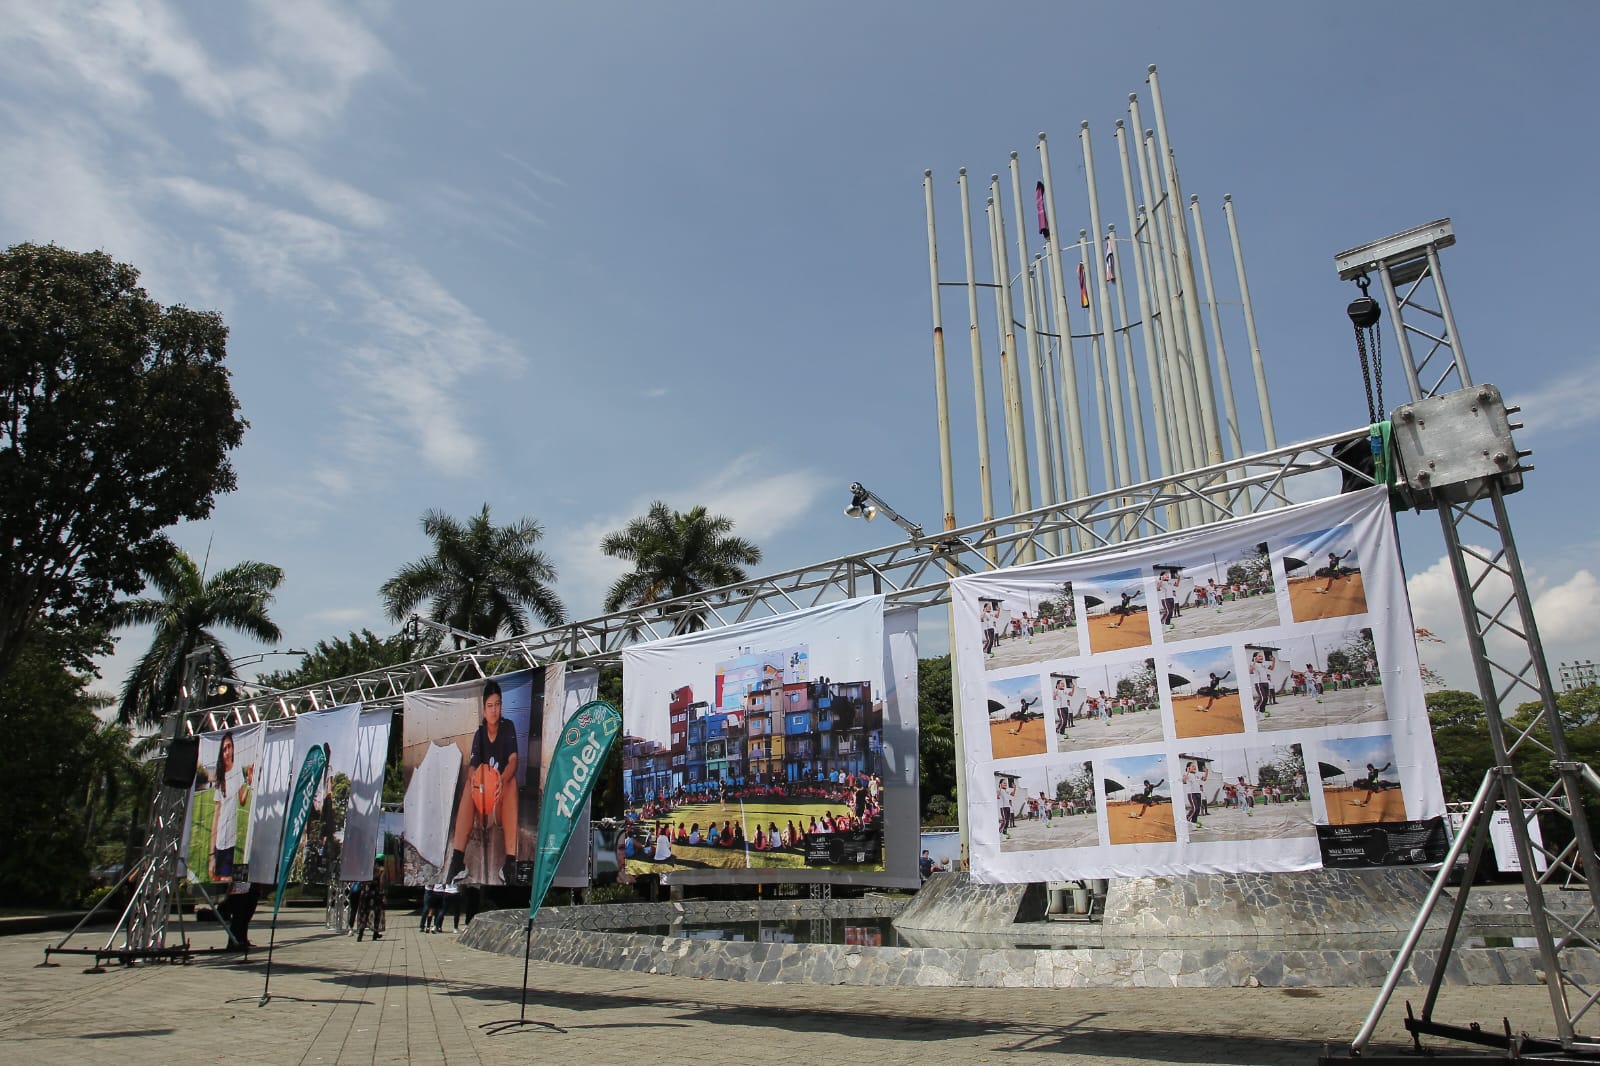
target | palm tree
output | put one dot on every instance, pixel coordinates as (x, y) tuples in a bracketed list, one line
[(676, 554), (480, 578), (190, 605)]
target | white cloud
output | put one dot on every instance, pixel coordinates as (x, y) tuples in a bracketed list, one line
[(343, 202), (763, 502), (344, 616), (1567, 621), (1566, 405)]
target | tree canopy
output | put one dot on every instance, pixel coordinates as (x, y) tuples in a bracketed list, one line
[(676, 553), (356, 654), (185, 617), (116, 420), (480, 578)]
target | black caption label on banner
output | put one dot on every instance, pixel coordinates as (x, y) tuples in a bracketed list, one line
[(1346, 847)]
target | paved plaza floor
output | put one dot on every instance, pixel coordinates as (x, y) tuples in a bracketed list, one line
[(421, 998)]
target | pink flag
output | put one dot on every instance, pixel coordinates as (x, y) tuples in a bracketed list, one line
[(1038, 202), (1083, 286)]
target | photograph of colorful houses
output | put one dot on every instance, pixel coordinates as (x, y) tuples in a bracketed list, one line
[(775, 769)]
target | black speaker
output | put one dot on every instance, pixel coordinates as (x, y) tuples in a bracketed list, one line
[(183, 756)]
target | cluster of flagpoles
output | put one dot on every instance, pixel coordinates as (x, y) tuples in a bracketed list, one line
[(1175, 400)]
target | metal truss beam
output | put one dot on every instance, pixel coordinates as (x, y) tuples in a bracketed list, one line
[(914, 573)]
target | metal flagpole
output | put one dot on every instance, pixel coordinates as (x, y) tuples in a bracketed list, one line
[(941, 387), (1106, 461), (1135, 401), (1007, 398), (1224, 376), (1250, 327), (985, 478), (1057, 371), (1183, 438), (1003, 261), (1186, 279), (1046, 355), (1041, 431), (1146, 335), (1180, 367), (1076, 451), (1103, 298)]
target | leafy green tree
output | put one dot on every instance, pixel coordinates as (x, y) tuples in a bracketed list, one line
[(358, 653), (116, 420), (480, 578), (676, 553), (185, 617), (52, 753), (1460, 742), (936, 734)]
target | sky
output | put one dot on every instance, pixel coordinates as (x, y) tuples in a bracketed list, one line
[(569, 259)]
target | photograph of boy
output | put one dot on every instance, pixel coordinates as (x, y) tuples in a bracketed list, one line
[(1324, 575), (1016, 717), (1116, 611), (1205, 692), (1215, 593), (1030, 624), (1323, 680), (1138, 800), (1359, 781), (1053, 806), (1246, 793), (1110, 705)]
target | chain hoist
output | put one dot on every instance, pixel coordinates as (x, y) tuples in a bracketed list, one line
[(1364, 314)]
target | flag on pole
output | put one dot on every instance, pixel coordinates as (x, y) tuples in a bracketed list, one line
[(574, 768), (300, 804), (1111, 258), (1083, 286), (1038, 203)]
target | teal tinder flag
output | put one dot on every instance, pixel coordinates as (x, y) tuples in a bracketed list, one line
[(574, 768), (305, 789)]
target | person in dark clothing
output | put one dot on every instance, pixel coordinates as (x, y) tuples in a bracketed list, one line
[(490, 787)]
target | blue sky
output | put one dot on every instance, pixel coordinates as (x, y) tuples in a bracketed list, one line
[(567, 259)]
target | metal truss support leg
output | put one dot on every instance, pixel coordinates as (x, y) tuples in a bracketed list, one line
[(1503, 639)]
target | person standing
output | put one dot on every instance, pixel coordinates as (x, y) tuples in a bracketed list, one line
[(1261, 669), (1194, 787), (372, 909)]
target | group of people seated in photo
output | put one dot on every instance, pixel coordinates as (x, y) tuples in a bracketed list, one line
[(657, 844), (653, 834)]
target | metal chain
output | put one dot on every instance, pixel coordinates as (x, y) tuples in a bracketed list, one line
[(1366, 373), (1371, 364)]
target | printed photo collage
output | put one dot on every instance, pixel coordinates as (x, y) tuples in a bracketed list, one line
[(1210, 696)]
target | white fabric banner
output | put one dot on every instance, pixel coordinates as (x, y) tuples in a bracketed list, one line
[(274, 776), (361, 823), (1244, 698), (777, 750)]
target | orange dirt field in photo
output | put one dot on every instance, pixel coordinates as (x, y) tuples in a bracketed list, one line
[(1348, 596), (1388, 805), (1004, 745), (1133, 633), (1225, 716), (1156, 827)]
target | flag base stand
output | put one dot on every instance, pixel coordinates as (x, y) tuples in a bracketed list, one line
[(521, 1021)]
